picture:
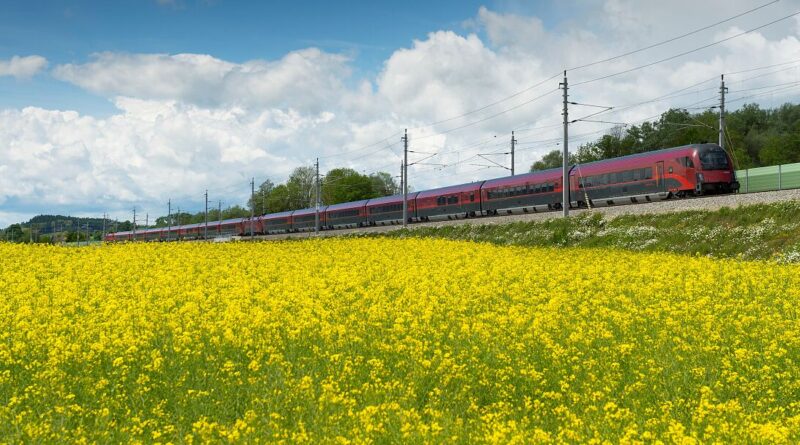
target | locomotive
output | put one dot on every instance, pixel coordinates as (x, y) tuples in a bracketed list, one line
[(689, 170)]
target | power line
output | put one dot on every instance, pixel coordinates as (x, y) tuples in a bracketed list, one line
[(666, 59), (505, 99), (673, 38), (761, 67), (488, 117)]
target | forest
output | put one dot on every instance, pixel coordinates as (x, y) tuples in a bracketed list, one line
[(755, 137)]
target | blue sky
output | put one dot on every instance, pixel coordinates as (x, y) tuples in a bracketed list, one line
[(107, 105), (368, 31)]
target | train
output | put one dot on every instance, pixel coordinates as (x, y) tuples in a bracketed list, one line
[(678, 172)]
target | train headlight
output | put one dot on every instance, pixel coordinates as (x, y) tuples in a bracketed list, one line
[(700, 177)]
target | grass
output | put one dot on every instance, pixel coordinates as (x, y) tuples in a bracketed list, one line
[(754, 232)]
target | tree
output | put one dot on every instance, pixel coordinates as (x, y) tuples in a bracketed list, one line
[(300, 187), (236, 211), (345, 185), (262, 198), (383, 184), (551, 160), (14, 233), (278, 199)]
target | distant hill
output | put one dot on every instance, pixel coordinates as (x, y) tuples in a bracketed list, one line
[(47, 224)]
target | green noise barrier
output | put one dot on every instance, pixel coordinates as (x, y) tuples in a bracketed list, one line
[(773, 177)]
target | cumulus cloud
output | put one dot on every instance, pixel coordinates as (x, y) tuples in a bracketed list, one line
[(305, 79), (22, 67), (186, 122)]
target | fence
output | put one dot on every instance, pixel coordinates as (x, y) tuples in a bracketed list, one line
[(774, 177)]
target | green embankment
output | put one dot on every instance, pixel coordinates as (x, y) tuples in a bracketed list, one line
[(756, 232)]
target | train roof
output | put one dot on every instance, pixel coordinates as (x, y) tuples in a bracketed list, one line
[(229, 220), (656, 154), (302, 212), (391, 199), (285, 214), (543, 175), (459, 188), (347, 205)]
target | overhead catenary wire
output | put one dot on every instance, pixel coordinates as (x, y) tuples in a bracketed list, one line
[(684, 53), (673, 39)]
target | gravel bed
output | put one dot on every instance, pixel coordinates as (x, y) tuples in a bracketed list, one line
[(673, 205)]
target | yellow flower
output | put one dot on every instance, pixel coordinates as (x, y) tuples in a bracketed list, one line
[(385, 340)]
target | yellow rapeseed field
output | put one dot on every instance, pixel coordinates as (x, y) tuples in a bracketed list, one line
[(394, 341)]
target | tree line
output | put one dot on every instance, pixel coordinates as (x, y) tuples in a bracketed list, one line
[(298, 192), (755, 137)]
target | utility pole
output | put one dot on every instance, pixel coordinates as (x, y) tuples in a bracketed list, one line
[(134, 223), (402, 179), (722, 91), (87, 233), (405, 178), (169, 218), (104, 226), (316, 199), (513, 144), (253, 204), (146, 220), (219, 210), (205, 230), (565, 154)]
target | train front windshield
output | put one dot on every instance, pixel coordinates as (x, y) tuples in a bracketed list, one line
[(714, 160)]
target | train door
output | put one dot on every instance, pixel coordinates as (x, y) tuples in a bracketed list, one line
[(662, 184)]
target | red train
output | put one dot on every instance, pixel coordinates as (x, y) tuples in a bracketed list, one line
[(674, 172)]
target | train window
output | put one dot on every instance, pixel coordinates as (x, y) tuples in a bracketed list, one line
[(452, 200), (472, 197), (648, 172), (627, 176), (551, 187), (440, 201), (686, 161)]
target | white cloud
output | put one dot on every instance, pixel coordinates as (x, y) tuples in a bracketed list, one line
[(308, 79), (22, 67), (187, 122)]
